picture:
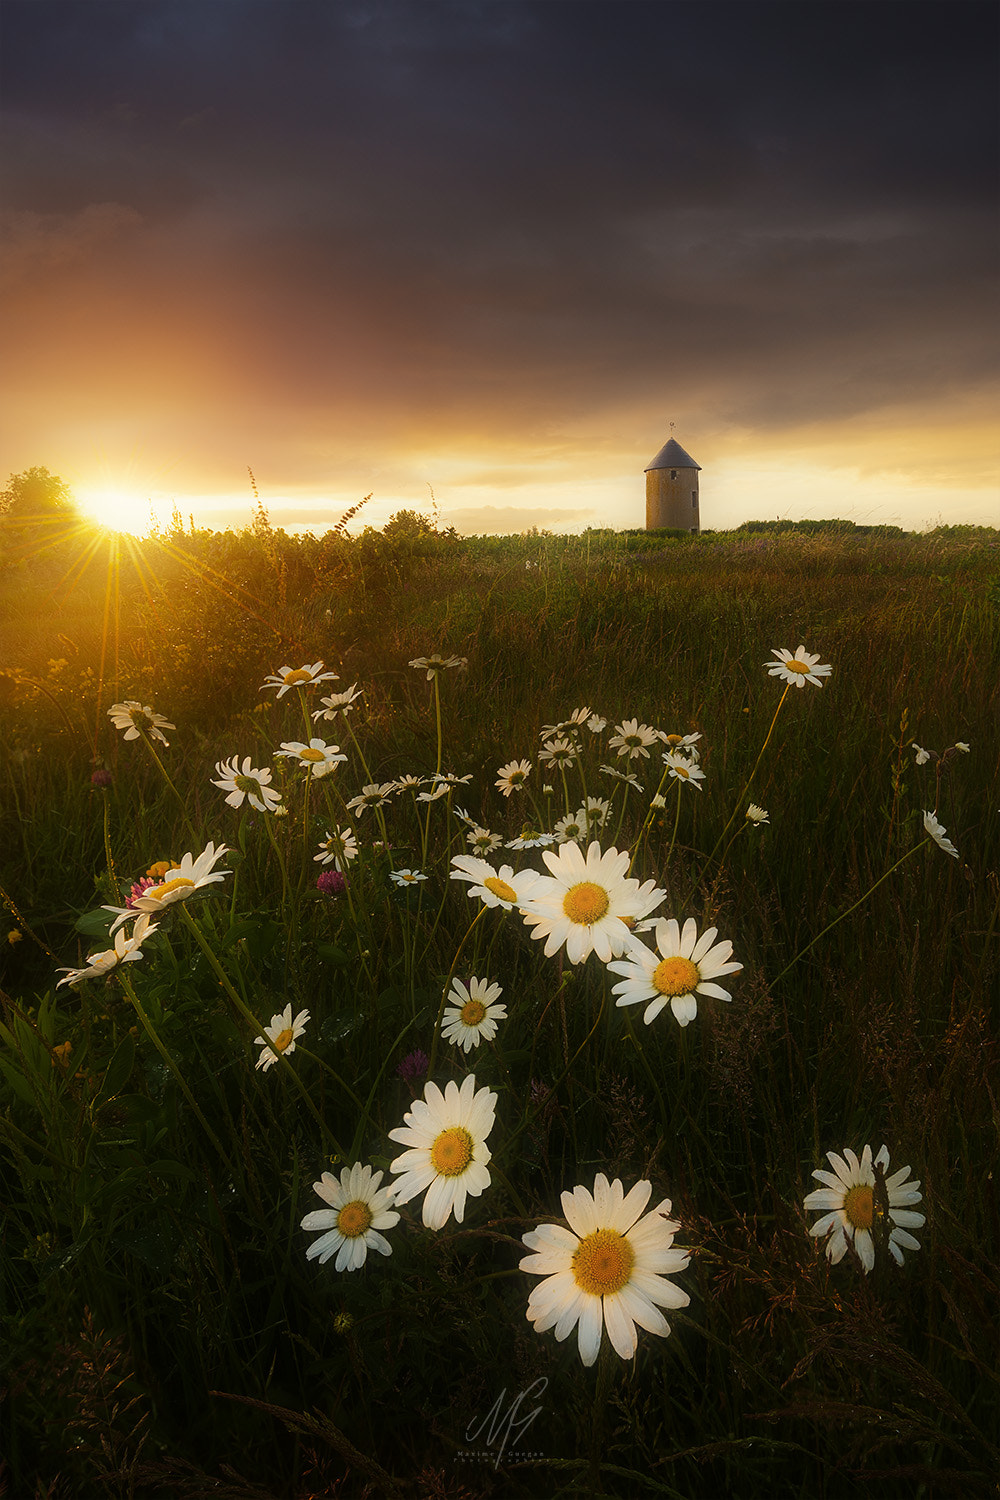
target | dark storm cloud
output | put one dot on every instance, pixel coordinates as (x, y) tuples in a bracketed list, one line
[(501, 215)]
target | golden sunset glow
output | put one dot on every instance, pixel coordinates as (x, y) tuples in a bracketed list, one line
[(482, 284), (115, 510)]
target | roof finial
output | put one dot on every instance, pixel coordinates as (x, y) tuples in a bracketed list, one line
[(671, 429)]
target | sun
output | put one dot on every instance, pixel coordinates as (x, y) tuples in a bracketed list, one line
[(115, 509)]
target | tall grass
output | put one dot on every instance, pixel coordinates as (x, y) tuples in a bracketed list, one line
[(164, 1331)]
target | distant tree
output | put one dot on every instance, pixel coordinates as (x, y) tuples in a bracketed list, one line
[(36, 495), (37, 511)]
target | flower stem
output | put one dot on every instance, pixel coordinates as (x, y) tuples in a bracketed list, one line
[(163, 772), (860, 901), (154, 1037), (258, 1027), (447, 985), (746, 788)]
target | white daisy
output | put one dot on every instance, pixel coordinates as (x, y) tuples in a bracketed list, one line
[(317, 757), (136, 717), (682, 769), (625, 776), (584, 902), (683, 968), (855, 1199), (685, 743), (440, 789), (407, 877), (757, 814), (178, 883), (595, 813), (281, 1036), (560, 753), (504, 887), (338, 703), (246, 782), (474, 1015), (435, 664), (338, 849), (939, 835), (371, 795), (448, 1155), (577, 717), (125, 951), (289, 677), (633, 739), (359, 1208), (800, 668), (572, 826), (596, 724), (530, 838), (483, 841), (607, 1270), (512, 776)]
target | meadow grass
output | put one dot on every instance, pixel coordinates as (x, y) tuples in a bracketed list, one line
[(164, 1331)]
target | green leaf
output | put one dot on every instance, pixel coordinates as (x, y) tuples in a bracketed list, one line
[(119, 1071), (94, 923)]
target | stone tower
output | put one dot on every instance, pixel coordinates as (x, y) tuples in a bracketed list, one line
[(672, 489)]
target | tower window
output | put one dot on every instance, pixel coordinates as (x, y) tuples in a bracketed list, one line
[(694, 499), (673, 473)]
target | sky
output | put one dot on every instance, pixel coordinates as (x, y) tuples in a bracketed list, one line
[(473, 257)]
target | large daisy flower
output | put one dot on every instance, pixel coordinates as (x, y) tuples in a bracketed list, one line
[(682, 970), (853, 1200), (474, 1015), (359, 1208), (317, 757), (584, 903), (289, 677), (125, 951), (246, 782), (800, 668), (281, 1036), (607, 1270), (504, 887), (446, 1135), (178, 883), (136, 718)]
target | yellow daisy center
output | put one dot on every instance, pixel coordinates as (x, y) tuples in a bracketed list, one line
[(681, 771), (249, 785), (676, 976), (310, 754), (301, 674), (602, 1262), (354, 1219), (674, 739), (158, 892), (798, 666), (859, 1206), (283, 1038), (451, 1152), (586, 903), (473, 1013), (500, 888)]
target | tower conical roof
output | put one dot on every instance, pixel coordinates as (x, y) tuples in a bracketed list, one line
[(672, 456)]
